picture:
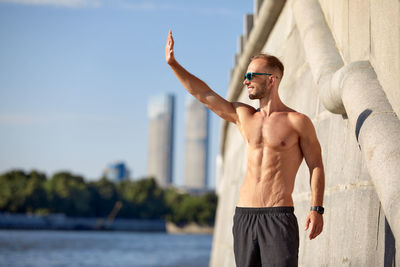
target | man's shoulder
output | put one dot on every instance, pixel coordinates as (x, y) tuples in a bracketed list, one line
[(300, 121), (297, 116), (240, 106)]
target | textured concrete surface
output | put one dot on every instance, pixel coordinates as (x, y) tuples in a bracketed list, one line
[(338, 87), (369, 30), (358, 204)]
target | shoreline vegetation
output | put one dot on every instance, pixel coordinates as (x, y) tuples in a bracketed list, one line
[(66, 201)]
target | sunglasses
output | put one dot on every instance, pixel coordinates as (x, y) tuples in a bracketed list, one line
[(249, 75)]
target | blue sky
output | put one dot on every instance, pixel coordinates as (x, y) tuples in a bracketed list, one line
[(76, 77)]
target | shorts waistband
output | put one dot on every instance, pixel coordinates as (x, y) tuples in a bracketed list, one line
[(267, 210)]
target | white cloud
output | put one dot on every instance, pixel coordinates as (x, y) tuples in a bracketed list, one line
[(59, 3)]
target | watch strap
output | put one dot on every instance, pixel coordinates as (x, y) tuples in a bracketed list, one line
[(318, 209)]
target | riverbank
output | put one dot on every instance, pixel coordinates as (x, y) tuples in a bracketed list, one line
[(190, 228), (62, 222)]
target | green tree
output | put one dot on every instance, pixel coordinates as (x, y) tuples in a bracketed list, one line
[(12, 191), (184, 208), (69, 194), (206, 215), (36, 195), (142, 199), (129, 208), (104, 195), (21, 192)]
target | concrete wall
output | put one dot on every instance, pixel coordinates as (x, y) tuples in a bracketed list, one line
[(356, 232), (369, 30)]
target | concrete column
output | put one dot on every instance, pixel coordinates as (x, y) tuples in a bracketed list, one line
[(320, 48), (257, 6), (247, 26), (237, 57), (377, 130), (240, 45), (354, 90)]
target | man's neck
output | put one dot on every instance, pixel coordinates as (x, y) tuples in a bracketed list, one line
[(271, 103)]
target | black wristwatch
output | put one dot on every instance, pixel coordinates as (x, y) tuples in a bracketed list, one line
[(318, 209)]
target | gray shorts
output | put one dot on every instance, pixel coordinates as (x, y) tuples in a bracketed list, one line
[(265, 237)]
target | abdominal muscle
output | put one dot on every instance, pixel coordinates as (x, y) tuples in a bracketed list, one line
[(270, 176)]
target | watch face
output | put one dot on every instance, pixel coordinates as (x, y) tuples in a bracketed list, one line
[(318, 209)]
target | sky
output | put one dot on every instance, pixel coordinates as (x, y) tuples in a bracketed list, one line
[(76, 77)]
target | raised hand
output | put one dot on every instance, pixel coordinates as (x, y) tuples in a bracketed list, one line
[(169, 49)]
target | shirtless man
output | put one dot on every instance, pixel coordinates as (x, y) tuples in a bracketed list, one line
[(277, 138)]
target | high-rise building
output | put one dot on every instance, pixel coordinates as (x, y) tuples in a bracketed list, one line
[(116, 172), (161, 135), (196, 145)]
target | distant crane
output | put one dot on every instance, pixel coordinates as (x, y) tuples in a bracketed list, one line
[(114, 212), (110, 218)]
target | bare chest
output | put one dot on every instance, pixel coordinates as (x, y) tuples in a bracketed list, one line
[(275, 133)]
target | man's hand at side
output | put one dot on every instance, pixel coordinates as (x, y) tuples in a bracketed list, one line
[(317, 223)]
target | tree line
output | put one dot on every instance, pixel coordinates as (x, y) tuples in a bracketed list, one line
[(33, 192)]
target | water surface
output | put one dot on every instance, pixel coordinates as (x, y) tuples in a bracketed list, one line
[(93, 248)]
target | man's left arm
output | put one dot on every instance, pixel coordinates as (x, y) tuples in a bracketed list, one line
[(312, 154)]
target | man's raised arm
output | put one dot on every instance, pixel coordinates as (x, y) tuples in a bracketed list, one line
[(198, 88)]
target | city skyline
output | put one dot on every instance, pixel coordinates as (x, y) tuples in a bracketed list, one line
[(75, 78), (117, 171), (160, 154), (196, 145)]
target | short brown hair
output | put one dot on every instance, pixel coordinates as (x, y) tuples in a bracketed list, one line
[(272, 62)]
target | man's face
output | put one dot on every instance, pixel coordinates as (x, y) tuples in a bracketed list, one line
[(257, 88)]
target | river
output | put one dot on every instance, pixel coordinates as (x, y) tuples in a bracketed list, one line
[(97, 248)]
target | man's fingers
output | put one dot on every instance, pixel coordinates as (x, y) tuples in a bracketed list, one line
[(170, 39), (315, 231), (319, 230), (169, 48), (307, 223), (312, 231)]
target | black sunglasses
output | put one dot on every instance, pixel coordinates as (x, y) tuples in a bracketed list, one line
[(249, 75)]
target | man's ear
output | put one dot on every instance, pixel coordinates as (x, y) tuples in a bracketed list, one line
[(271, 79)]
